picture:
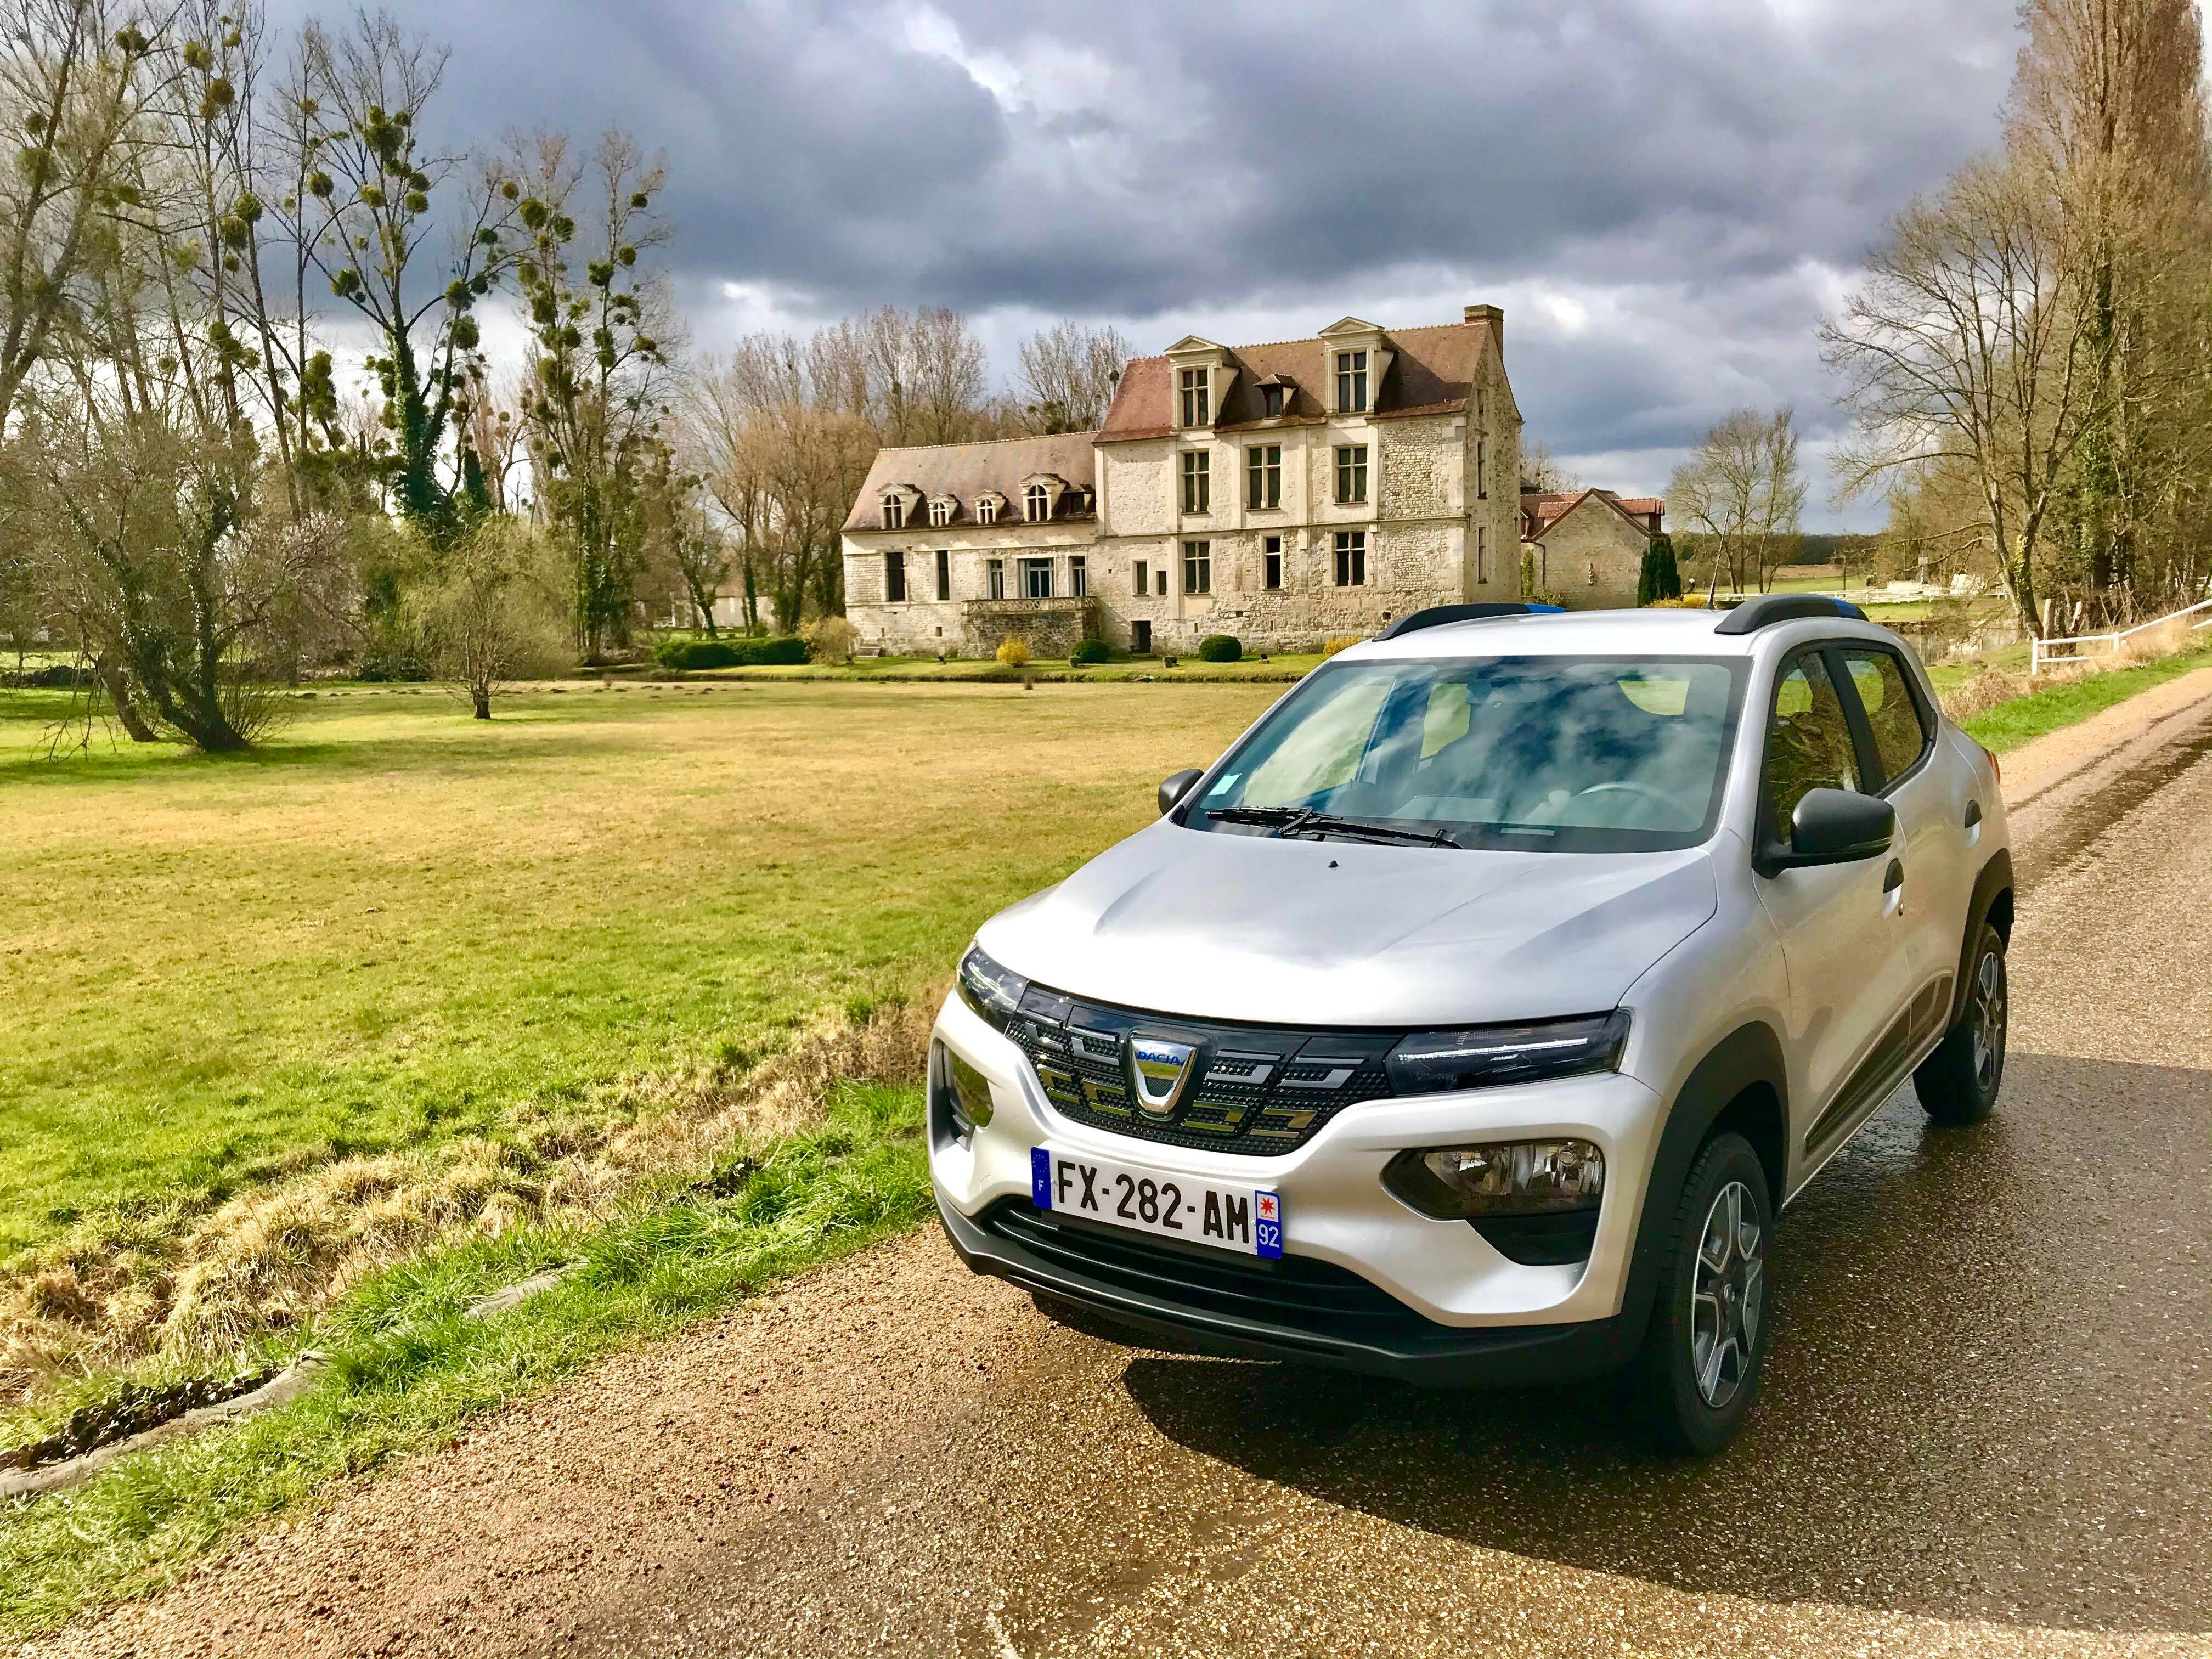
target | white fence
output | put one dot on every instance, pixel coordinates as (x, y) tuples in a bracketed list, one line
[(2047, 653)]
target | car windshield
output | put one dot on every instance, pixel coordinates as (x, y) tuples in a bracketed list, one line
[(1560, 754)]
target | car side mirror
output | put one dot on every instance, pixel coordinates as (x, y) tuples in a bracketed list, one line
[(1836, 826), (1176, 787)]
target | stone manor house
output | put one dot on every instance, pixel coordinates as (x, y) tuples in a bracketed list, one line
[(1282, 493)]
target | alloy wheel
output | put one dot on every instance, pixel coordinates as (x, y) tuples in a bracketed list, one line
[(1985, 1018), (1728, 1300)]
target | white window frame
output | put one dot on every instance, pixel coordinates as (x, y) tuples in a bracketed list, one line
[(1037, 504), (1197, 481), (1351, 556), (1198, 566), (1271, 548), (995, 579), (894, 511), (1351, 381), (1194, 393), (1352, 475), (1078, 577), (1263, 477), (894, 578), (987, 511)]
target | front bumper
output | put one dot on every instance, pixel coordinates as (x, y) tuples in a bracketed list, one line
[(1442, 1302), (1161, 1294)]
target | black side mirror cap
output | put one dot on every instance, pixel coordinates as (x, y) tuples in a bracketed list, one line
[(1174, 788), (1834, 826)]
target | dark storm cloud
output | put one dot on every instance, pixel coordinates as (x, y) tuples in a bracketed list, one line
[(1691, 173)]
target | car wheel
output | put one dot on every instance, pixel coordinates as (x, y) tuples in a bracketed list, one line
[(1959, 1083), (1700, 1367)]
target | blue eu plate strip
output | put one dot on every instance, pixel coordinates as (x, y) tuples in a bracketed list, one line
[(1267, 1225), (1040, 1177)]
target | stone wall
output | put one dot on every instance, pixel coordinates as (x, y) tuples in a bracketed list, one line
[(1051, 628), (1592, 558)]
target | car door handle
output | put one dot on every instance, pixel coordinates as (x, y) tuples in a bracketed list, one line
[(1892, 890), (1974, 814)]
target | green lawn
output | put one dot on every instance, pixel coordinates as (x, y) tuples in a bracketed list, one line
[(1281, 667)]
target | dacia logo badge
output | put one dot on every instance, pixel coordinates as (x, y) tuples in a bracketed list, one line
[(1159, 1071)]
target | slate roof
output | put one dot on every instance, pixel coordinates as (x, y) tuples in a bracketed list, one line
[(964, 471), (1542, 508), (1432, 374)]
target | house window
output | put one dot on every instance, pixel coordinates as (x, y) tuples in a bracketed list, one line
[(1036, 579), (1263, 476), (1144, 579), (1271, 560), (1271, 401), (1160, 581), (1197, 385), (1197, 481), (1037, 503), (1351, 474), (997, 567), (940, 515), (894, 513), (1482, 554), (944, 573), (1482, 471), (1351, 383), (1352, 558), (895, 577), (1198, 566), (987, 510), (1079, 576)]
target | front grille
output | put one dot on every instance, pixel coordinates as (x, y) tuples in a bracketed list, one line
[(1262, 1089)]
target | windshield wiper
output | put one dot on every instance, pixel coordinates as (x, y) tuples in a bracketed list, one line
[(1294, 821)]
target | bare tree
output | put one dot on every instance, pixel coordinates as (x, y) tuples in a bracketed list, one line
[(1539, 471), (491, 614), (1966, 347), (1741, 488), (1068, 374), (925, 376)]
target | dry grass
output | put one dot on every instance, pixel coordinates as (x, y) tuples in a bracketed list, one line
[(185, 1284)]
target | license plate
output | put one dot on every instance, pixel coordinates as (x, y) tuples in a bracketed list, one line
[(1246, 1219)]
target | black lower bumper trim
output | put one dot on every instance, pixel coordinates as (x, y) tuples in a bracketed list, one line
[(1312, 1316)]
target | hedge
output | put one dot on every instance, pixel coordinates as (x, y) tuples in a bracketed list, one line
[(1220, 647), (728, 653)]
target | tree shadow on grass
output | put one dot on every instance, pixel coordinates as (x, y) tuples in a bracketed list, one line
[(1990, 1399)]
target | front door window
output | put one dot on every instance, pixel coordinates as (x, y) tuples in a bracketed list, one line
[(1036, 579)]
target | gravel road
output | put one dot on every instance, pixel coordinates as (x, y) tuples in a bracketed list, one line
[(1987, 1429)]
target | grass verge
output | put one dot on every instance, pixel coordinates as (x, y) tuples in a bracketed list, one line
[(2048, 708), (408, 1367)]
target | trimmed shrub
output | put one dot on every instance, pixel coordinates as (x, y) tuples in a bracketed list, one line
[(1220, 647), (1336, 642), (1089, 654), (1659, 578), (831, 640), (54, 677), (1014, 653), (729, 654)]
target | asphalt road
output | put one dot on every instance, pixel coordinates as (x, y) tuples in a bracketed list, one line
[(1987, 1424)]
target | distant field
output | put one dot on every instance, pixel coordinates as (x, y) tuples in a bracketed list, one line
[(394, 922)]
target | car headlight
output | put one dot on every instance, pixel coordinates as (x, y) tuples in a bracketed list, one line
[(988, 988), (1485, 1056), (1499, 1178)]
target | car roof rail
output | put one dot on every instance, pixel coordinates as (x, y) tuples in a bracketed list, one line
[(1436, 615), (1769, 609)]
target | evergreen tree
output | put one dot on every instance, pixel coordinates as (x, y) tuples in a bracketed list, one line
[(1659, 578)]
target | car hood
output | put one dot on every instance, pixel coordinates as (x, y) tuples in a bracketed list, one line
[(1306, 933)]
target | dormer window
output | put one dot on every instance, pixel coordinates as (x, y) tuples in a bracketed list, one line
[(1197, 388), (940, 513), (1037, 503), (894, 511), (986, 510), (1351, 383), (1270, 402)]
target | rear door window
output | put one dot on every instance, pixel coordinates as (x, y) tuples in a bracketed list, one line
[(1894, 717)]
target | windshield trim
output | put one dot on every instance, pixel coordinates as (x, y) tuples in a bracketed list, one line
[(1544, 838)]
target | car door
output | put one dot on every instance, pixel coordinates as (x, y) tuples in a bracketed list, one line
[(1930, 847), (1844, 931)]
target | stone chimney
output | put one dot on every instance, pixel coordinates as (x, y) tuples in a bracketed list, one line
[(1493, 315)]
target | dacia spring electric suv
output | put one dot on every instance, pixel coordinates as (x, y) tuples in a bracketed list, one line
[(1470, 1020)]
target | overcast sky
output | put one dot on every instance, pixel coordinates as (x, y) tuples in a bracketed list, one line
[(1664, 194)]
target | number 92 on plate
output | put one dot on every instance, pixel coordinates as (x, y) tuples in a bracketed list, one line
[(1246, 1219)]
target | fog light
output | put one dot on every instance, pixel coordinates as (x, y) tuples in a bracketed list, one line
[(960, 1095), (1515, 1177)]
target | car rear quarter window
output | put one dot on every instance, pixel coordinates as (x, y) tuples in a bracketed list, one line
[(1893, 714)]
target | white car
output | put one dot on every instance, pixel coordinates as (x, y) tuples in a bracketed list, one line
[(1470, 1020)]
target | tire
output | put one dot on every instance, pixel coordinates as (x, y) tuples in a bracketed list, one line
[(1695, 1393), (1959, 1083)]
